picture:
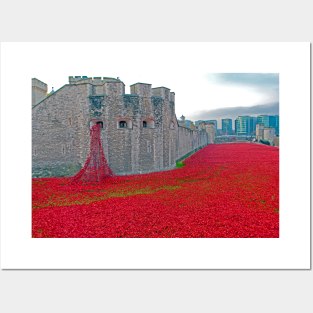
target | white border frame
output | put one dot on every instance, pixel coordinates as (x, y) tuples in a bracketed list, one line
[(290, 251)]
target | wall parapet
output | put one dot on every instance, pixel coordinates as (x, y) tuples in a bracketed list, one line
[(189, 140), (92, 80)]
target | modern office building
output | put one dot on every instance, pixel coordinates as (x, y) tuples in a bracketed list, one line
[(227, 126), (269, 121), (264, 120), (274, 122), (245, 125), (242, 125), (253, 122)]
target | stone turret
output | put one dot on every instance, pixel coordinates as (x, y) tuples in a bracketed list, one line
[(141, 89), (182, 121), (39, 90)]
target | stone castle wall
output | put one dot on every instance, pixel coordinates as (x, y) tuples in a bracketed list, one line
[(189, 140), (60, 132), (151, 140)]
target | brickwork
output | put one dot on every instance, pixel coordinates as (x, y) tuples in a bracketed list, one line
[(140, 130), (60, 132)]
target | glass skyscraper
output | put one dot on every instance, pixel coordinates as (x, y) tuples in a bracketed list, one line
[(274, 122), (245, 125), (227, 126), (264, 119), (269, 121)]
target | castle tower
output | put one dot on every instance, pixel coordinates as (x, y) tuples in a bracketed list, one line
[(168, 120), (39, 90)]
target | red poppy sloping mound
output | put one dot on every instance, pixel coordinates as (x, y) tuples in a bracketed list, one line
[(223, 191)]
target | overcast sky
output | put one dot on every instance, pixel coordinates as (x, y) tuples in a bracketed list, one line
[(188, 69), (234, 94)]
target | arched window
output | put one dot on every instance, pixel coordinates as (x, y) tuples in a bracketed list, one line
[(122, 124), (96, 122), (100, 123), (125, 123), (148, 123)]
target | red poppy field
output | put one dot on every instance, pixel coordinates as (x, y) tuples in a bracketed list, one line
[(222, 191)]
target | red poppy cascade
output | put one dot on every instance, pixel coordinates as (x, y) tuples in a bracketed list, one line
[(96, 167)]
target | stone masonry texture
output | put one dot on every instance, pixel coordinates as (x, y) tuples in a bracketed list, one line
[(140, 131)]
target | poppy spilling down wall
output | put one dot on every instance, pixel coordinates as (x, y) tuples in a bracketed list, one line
[(96, 168), (221, 191)]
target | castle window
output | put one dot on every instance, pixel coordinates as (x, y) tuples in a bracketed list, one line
[(63, 149), (96, 122), (100, 123), (125, 123), (148, 123), (70, 121), (122, 124)]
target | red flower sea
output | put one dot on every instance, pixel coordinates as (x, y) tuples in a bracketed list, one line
[(222, 191)]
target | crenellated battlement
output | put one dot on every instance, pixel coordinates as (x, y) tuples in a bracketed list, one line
[(145, 90), (110, 85), (92, 80)]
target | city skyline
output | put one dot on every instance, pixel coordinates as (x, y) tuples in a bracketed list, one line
[(233, 113), (219, 125)]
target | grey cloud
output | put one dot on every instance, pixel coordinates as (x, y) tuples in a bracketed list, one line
[(259, 80), (266, 84)]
